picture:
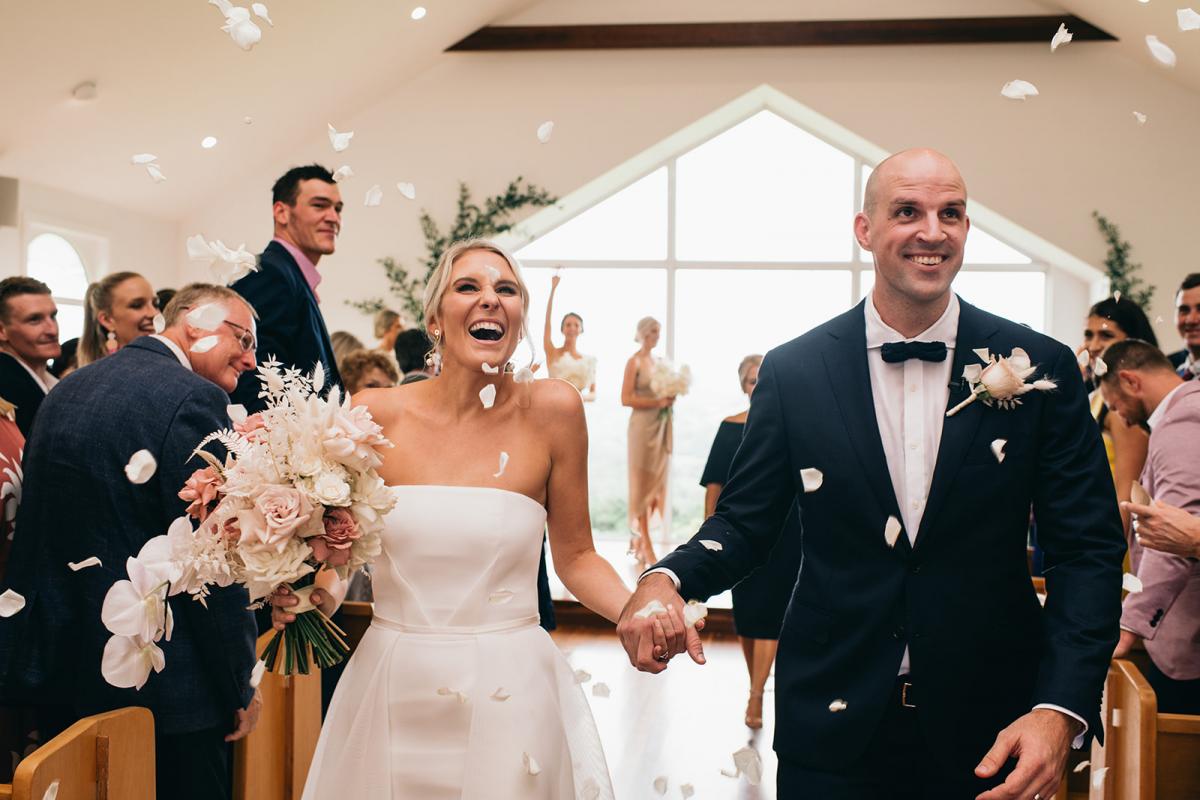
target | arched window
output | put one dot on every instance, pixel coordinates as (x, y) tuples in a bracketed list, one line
[(54, 261)]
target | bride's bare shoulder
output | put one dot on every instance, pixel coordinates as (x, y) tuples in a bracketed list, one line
[(388, 405), (555, 400)]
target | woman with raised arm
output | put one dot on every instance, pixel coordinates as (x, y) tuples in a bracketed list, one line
[(566, 362), (649, 441), (454, 691)]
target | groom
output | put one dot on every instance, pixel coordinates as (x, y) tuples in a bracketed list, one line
[(915, 660)]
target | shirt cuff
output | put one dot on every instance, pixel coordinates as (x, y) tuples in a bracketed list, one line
[(674, 578), (1077, 743)]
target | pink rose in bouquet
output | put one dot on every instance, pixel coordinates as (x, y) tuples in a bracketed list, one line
[(333, 546), (200, 492), (277, 514), (249, 425)]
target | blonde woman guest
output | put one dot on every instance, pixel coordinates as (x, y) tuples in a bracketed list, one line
[(649, 440), (561, 360), (117, 309), (388, 325)]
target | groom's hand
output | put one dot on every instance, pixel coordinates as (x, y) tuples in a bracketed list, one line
[(1039, 741), (650, 642)]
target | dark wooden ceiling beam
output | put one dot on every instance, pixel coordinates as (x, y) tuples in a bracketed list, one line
[(812, 33)]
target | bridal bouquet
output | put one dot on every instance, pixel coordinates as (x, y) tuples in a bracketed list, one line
[(297, 493), (579, 372)]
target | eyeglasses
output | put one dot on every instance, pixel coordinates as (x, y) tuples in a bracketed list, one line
[(245, 336)]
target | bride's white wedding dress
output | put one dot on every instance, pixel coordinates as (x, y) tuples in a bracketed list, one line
[(455, 691)]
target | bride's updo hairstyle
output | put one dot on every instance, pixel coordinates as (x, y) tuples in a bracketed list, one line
[(439, 282)]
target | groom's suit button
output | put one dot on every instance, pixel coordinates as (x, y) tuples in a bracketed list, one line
[(898, 633)]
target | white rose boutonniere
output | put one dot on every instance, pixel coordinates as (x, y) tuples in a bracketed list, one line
[(1000, 381)]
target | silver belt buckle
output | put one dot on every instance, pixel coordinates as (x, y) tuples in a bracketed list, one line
[(904, 687)]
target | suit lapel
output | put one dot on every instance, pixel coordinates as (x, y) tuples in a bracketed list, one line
[(974, 332), (846, 365)]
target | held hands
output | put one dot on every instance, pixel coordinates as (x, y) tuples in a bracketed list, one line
[(1166, 528), (282, 599), (246, 719), (651, 641), (1040, 741)]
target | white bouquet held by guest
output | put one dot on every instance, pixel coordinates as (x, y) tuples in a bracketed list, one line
[(579, 372), (667, 381), (1001, 381), (297, 493)]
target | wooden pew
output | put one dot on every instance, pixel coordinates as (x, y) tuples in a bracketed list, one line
[(1149, 756), (272, 762), (356, 618), (106, 757)]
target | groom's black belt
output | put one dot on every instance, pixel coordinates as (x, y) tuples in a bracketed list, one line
[(906, 692)]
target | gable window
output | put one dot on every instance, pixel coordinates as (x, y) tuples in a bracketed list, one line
[(55, 262)]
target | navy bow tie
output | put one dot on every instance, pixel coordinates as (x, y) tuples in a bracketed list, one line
[(899, 352)]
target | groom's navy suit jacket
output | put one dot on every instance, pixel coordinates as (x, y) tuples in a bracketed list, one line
[(982, 649), (79, 503)]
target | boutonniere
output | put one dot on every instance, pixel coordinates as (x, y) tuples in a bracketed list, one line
[(1000, 381)]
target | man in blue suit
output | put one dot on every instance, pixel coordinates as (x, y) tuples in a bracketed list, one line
[(915, 660), (307, 210), (161, 395)]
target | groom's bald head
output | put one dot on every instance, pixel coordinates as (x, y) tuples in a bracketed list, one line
[(918, 163)]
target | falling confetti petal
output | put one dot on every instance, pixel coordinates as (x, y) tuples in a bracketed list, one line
[(488, 369), (812, 479), (207, 317), (582, 676), (10, 603), (500, 695), (693, 612), (141, 467), (1084, 358), (227, 266), (208, 142), (154, 172), (531, 764), (749, 763), (205, 344), (711, 545), (247, 120), (51, 791), (503, 464), (342, 172), (1131, 583), (1081, 766), (256, 674), (1117, 296), (487, 395), (1158, 320), (142, 159), (500, 597), (1018, 90), (1061, 37), (998, 449), (340, 141), (1140, 117), (653, 607), (1099, 367), (237, 413), (92, 561), (238, 25), (374, 196), (545, 131), (160, 323), (686, 790), (447, 692), (1162, 54), (837, 705), (1098, 778), (660, 784), (600, 690), (260, 11), (418, 12), (523, 375), (891, 531), (1188, 19), (408, 190)]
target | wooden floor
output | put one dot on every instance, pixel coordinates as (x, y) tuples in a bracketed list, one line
[(683, 724)]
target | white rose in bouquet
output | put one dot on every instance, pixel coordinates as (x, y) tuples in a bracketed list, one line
[(329, 488), (667, 381)]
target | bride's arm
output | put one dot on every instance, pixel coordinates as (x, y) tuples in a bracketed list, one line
[(583, 571)]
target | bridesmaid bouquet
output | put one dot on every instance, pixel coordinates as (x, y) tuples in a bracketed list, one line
[(297, 493), (667, 381), (579, 372)]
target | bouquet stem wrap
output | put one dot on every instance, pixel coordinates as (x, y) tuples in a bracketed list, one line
[(312, 638)]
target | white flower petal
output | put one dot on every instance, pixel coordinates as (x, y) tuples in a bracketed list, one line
[(51, 792), (503, 464), (531, 764), (686, 790), (998, 449), (582, 676), (891, 531), (141, 159), (260, 11), (342, 172), (1099, 368), (340, 141), (837, 705), (488, 369), (1188, 19), (237, 413), (1044, 385), (1018, 90), (1117, 295), (90, 561), (601, 690), (141, 467), (500, 695), (10, 603), (154, 172), (1161, 52), (660, 784), (1140, 117), (693, 612), (374, 196), (160, 323), (545, 131), (487, 395), (523, 375), (653, 607), (205, 344), (712, 545), (256, 674), (492, 273), (1081, 766), (1098, 777), (127, 661), (461, 697), (1061, 37), (408, 190), (208, 142), (1131, 583), (207, 317), (500, 597), (241, 28), (1084, 358), (749, 763), (812, 478)]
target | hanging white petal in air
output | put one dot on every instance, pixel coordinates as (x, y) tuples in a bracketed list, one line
[(660, 784), (141, 467), (238, 25), (686, 790), (205, 344), (487, 395), (374, 196), (1117, 295), (812, 479), (500, 695), (545, 131), (1131, 583), (1161, 52), (141, 159), (600, 689), (693, 612), (891, 531), (407, 189), (503, 464), (709, 544), (10, 603), (260, 11), (208, 142), (749, 763), (127, 661), (531, 764), (1140, 117), (51, 791), (1188, 19), (488, 369), (160, 323), (837, 705), (1098, 778), (1099, 367), (340, 141), (1018, 90), (582, 676), (341, 172), (523, 375), (1084, 358), (492, 273), (237, 413), (154, 172), (1081, 766), (1061, 37), (256, 674), (653, 607), (1158, 320), (500, 597), (998, 449), (90, 561), (207, 316), (447, 692)]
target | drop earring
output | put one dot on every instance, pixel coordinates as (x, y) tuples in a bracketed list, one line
[(110, 343)]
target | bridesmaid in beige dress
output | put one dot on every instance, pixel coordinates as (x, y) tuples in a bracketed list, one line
[(649, 441)]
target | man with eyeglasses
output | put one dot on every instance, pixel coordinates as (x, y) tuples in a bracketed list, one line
[(307, 213), (161, 394)]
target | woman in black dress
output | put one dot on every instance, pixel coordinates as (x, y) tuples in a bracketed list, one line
[(759, 601)]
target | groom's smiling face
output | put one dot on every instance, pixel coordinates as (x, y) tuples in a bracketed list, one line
[(914, 222)]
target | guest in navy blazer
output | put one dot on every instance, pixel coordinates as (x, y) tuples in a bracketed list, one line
[(154, 394), (28, 340), (308, 216)]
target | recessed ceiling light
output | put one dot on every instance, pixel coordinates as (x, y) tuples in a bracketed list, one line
[(208, 142), (418, 12)]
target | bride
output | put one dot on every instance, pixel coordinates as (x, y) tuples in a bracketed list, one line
[(454, 691)]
